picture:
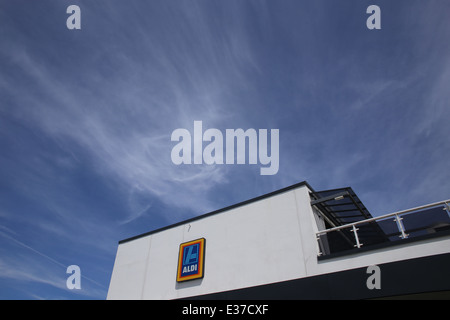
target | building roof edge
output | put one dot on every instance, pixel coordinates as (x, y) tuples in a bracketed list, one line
[(268, 195)]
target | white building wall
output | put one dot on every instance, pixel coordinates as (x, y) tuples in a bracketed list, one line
[(266, 241), (257, 243)]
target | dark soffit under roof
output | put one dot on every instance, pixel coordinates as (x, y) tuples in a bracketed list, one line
[(342, 206)]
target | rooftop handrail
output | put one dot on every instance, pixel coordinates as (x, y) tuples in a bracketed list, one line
[(352, 224)]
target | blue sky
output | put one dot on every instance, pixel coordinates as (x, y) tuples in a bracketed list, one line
[(86, 117)]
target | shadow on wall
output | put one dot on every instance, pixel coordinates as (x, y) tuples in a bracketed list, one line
[(188, 284)]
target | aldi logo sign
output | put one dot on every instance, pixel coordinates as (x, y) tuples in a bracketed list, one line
[(191, 260)]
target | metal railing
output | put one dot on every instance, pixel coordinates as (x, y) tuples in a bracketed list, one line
[(398, 217)]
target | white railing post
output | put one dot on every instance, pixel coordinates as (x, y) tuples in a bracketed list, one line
[(358, 245), (400, 226), (447, 208)]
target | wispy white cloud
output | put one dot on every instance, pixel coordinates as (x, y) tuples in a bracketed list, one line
[(38, 267), (128, 135)]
